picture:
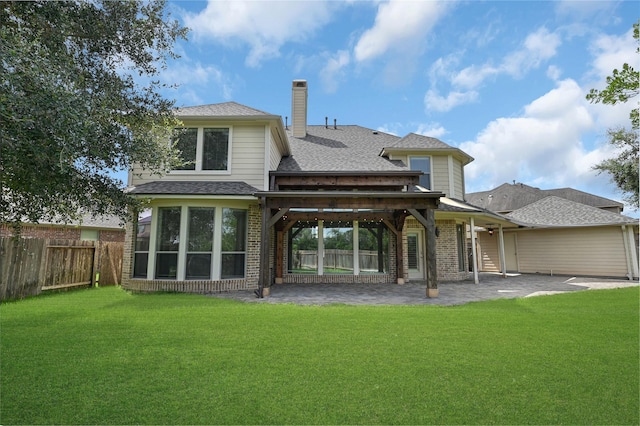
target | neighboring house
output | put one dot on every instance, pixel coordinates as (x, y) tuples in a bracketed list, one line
[(99, 228), (562, 231), (262, 203)]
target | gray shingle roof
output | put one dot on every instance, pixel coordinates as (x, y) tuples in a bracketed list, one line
[(347, 148), (509, 197), (163, 187), (415, 141), (225, 109), (556, 211)]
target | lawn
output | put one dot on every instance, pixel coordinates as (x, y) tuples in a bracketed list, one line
[(103, 356)]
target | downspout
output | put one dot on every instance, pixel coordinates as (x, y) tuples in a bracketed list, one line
[(503, 262), (474, 252)]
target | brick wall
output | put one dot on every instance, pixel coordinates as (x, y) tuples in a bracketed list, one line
[(61, 232), (446, 250)]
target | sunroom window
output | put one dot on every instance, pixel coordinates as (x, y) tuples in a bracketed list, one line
[(167, 242), (200, 243), (234, 243)]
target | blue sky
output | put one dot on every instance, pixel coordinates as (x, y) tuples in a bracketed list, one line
[(505, 81)]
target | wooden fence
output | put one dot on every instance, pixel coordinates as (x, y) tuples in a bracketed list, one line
[(30, 265)]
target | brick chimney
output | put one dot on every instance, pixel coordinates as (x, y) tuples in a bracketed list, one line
[(299, 108)]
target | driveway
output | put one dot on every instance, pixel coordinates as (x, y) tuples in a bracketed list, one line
[(491, 286)]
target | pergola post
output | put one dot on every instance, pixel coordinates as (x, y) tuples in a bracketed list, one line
[(474, 251), (432, 271)]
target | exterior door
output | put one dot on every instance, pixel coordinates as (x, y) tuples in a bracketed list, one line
[(415, 254), (511, 252)]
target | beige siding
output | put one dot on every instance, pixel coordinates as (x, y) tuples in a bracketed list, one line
[(440, 170), (578, 251), (247, 159), (458, 180), (274, 153)]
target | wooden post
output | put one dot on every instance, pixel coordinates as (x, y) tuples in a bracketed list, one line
[(265, 237), (279, 256), (431, 262), (503, 262)]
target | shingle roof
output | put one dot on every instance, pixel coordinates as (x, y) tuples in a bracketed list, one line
[(510, 197), (556, 211), (347, 148), (163, 187), (225, 109), (88, 220), (415, 141)]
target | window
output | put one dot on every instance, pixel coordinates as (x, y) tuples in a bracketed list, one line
[(141, 252), (204, 148), (187, 143), (460, 236), (168, 241), (234, 243), (422, 164), (89, 234), (200, 243)]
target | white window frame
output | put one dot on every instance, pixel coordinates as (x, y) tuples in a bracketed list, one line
[(200, 149), (411, 157), (182, 247)]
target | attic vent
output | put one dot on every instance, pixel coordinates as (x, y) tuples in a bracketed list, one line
[(375, 132)]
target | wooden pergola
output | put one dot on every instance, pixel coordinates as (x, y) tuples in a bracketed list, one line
[(367, 197)]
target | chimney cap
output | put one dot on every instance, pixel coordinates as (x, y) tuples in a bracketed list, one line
[(299, 83)]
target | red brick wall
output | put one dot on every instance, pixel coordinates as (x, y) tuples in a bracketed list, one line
[(60, 232)]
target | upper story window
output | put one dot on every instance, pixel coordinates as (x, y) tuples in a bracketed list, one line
[(424, 165), (205, 148)]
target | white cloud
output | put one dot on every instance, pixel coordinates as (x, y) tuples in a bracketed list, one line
[(434, 102), (434, 130), (398, 25), (543, 146), (263, 25), (334, 70)]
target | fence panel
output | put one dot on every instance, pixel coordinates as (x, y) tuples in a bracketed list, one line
[(109, 262), (30, 265), (20, 267), (69, 264)]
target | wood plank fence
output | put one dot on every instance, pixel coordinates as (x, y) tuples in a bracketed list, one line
[(29, 266)]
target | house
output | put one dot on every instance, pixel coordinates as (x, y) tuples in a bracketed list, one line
[(561, 231), (262, 203), (87, 228)]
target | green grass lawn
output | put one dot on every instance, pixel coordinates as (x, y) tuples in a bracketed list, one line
[(103, 356)]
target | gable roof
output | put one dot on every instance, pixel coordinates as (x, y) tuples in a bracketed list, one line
[(554, 211), (345, 148), (509, 197), (225, 109), (416, 142)]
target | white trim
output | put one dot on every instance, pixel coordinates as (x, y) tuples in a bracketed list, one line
[(182, 244), (153, 236), (356, 247), (321, 247), (474, 251)]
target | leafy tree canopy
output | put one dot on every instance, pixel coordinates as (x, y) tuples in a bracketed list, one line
[(622, 85), (72, 108)]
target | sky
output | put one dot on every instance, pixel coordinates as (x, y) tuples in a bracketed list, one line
[(504, 81)]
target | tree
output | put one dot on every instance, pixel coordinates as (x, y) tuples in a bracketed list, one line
[(73, 108), (621, 86)]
